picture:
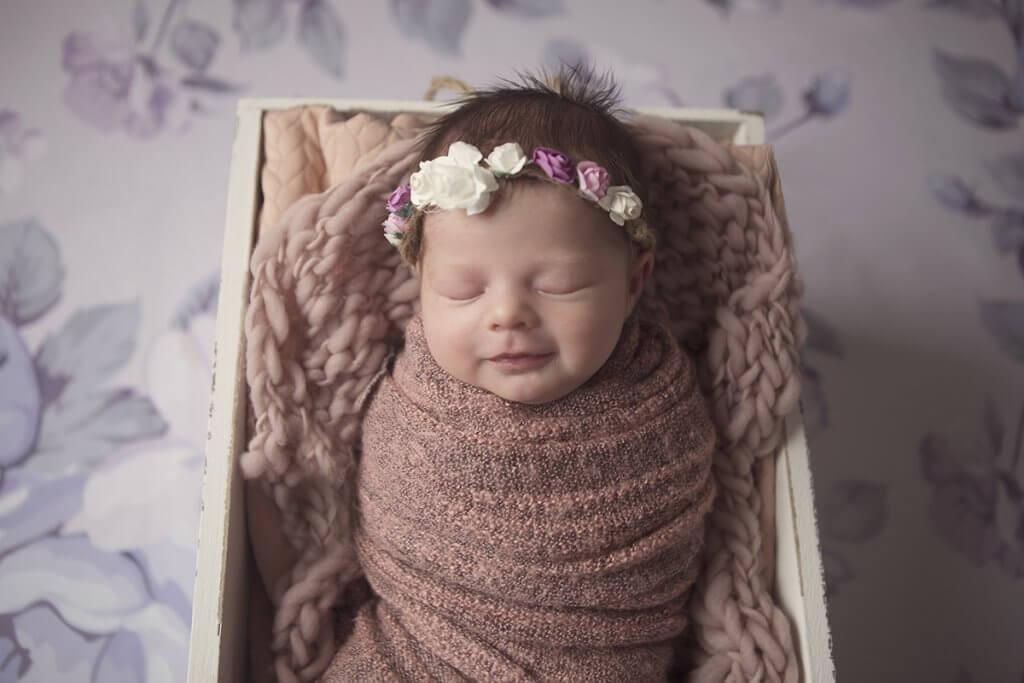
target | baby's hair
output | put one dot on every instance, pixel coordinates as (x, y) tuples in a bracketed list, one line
[(574, 111)]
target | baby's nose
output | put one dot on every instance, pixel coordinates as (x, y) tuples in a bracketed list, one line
[(511, 311)]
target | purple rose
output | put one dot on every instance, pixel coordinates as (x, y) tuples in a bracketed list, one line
[(593, 180), (113, 88), (555, 164), (399, 198)]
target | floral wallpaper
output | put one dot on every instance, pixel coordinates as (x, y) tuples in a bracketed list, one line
[(898, 129)]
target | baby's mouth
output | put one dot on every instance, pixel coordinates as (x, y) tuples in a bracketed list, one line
[(520, 361)]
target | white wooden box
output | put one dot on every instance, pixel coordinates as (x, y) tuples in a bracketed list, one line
[(218, 647)]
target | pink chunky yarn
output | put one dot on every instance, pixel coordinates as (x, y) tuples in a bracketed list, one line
[(329, 297)]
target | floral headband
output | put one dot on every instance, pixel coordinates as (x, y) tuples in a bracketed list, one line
[(459, 181)]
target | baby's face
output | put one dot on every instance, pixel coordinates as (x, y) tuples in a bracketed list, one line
[(526, 300)]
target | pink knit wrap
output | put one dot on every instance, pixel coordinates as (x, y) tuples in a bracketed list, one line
[(330, 299), (519, 542)]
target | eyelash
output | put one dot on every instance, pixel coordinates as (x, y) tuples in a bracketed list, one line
[(544, 292), (461, 298), (547, 292)]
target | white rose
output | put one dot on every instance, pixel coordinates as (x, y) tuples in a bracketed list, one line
[(507, 159), (464, 154), (460, 187), (621, 203), (421, 189)]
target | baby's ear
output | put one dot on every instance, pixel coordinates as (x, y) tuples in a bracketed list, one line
[(643, 264)]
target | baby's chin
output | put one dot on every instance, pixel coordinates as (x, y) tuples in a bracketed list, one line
[(529, 394)]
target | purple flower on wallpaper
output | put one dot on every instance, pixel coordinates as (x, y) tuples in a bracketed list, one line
[(829, 93), (122, 84), (825, 97), (112, 88), (977, 504), (18, 146), (756, 94)]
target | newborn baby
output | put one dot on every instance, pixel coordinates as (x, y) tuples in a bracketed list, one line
[(535, 467)]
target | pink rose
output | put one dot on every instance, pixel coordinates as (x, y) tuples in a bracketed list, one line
[(399, 198), (394, 225), (555, 164), (593, 180)]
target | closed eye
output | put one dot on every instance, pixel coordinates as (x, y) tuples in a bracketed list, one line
[(562, 290), (460, 293)]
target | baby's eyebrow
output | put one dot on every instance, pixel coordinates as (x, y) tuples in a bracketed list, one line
[(456, 269), (565, 261)]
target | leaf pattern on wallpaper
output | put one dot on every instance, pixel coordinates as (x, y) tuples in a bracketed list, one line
[(976, 88), (260, 24), (94, 586), (956, 195), (822, 341), (863, 4), (851, 511), (31, 272), (194, 44), (854, 511), (1006, 222), (976, 501), (322, 35), (35, 506), (87, 349), (978, 9), (1005, 322), (821, 335), (530, 9), (140, 20), (20, 401), (1008, 173), (728, 7), (439, 23)]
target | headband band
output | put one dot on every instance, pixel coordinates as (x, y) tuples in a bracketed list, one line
[(459, 181)]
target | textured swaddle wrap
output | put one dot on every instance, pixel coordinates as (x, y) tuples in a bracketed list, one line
[(530, 542)]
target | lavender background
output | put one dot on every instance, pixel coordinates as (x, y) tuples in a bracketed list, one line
[(897, 124)]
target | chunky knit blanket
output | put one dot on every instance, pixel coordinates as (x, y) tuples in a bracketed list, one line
[(330, 300), (515, 542)]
